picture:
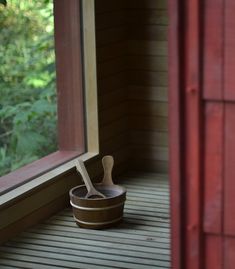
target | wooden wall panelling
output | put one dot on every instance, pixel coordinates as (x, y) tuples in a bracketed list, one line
[(148, 78), (148, 108), (147, 16), (110, 51), (147, 47), (213, 167), (150, 123), (120, 159), (111, 71), (112, 97), (150, 165), (229, 54), (213, 252), (229, 161), (114, 113), (151, 63), (150, 152), (146, 4), (110, 35), (113, 129), (104, 6), (110, 67), (114, 144), (192, 138), (134, 61), (213, 49), (110, 83), (175, 130), (156, 138), (110, 19), (149, 93), (38, 198), (34, 217), (229, 250), (148, 32)]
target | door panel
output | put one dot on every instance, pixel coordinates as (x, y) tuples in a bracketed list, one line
[(213, 169), (229, 251), (229, 184), (213, 252), (229, 51), (213, 50)]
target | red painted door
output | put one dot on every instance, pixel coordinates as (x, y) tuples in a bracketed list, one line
[(202, 133)]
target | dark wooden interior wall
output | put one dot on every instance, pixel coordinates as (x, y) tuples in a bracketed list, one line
[(131, 41), (111, 81), (147, 83)]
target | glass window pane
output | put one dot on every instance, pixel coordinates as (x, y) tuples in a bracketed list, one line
[(28, 111)]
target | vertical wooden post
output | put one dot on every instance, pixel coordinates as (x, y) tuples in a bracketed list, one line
[(193, 139), (69, 75), (175, 131)]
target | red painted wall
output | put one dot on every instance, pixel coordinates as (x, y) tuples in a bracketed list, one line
[(202, 133)]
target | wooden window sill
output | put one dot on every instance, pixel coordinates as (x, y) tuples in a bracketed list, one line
[(46, 177)]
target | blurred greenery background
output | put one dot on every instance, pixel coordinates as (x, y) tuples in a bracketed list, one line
[(27, 83)]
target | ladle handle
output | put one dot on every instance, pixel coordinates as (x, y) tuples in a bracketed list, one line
[(85, 177), (91, 191), (107, 162)]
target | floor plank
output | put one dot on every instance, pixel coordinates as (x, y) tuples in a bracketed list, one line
[(141, 241)]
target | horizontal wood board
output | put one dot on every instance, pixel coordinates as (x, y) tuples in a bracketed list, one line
[(141, 241)]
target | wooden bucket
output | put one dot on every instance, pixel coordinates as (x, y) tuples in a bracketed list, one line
[(98, 213)]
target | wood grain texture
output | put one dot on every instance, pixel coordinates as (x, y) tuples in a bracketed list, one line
[(214, 252), (141, 241), (136, 92), (147, 82), (149, 138), (145, 63), (90, 76), (229, 157), (193, 140), (33, 218), (148, 78), (229, 53), (148, 123), (69, 80), (175, 130), (229, 249), (213, 49), (132, 72), (147, 47), (213, 167), (149, 32), (147, 4), (147, 16)]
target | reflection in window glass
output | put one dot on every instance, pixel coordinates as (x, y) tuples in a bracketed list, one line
[(27, 83)]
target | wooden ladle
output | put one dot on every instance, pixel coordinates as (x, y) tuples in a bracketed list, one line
[(107, 162), (91, 191)]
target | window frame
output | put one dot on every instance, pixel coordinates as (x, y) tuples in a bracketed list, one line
[(70, 95)]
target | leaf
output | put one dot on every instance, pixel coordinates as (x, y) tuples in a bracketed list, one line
[(25, 160), (29, 143), (3, 2), (42, 107)]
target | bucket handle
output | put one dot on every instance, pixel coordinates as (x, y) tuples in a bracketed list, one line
[(108, 163)]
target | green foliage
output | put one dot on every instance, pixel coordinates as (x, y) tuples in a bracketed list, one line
[(3, 2), (27, 83)]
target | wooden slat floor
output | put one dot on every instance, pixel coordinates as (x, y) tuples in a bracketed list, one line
[(142, 241)]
